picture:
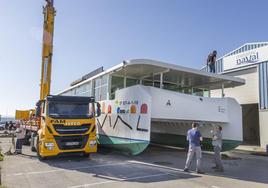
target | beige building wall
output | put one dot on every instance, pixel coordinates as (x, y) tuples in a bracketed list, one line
[(246, 94), (263, 118)]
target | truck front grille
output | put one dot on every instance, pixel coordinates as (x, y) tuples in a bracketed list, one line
[(71, 142), (61, 129)]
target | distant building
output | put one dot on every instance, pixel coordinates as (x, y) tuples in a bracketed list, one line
[(5, 118), (250, 62)]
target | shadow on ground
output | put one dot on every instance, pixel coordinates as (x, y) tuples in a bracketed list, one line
[(116, 167), (158, 165)]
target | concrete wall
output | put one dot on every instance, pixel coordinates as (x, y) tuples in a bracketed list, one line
[(263, 118)]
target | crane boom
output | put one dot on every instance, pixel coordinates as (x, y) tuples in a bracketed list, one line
[(48, 126), (48, 31)]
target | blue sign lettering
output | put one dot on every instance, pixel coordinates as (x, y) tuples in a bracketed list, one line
[(251, 58)]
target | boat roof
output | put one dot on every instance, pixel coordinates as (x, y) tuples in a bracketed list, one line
[(188, 77)]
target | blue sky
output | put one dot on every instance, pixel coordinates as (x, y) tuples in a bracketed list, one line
[(94, 33)]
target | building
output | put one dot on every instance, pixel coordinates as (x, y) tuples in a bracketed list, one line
[(4, 119), (250, 62)]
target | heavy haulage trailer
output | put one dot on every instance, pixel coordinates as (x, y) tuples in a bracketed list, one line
[(59, 125)]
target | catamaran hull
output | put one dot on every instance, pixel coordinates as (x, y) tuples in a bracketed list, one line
[(140, 115), (124, 145)]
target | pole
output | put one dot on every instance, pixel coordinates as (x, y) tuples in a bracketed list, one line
[(222, 91), (161, 80)]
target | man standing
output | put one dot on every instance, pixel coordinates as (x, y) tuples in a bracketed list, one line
[(11, 126), (194, 137), (6, 127), (211, 61), (20, 131), (217, 146)]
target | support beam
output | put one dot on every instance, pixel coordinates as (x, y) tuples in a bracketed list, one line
[(222, 91), (125, 81), (161, 80)]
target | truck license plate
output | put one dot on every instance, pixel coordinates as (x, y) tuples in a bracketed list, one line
[(72, 143)]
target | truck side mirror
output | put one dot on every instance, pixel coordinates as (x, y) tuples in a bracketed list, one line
[(98, 110), (38, 110)]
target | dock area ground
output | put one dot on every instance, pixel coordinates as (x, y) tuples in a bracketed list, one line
[(156, 167)]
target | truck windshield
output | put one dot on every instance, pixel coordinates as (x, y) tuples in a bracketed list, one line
[(70, 110)]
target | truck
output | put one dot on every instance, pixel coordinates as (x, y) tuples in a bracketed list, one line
[(67, 126), (60, 125)]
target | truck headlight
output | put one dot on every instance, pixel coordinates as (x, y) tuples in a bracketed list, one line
[(92, 143), (49, 145)]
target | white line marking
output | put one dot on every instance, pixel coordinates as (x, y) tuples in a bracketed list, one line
[(92, 184), (120, 180), (178, 169), (156, 166), (70, 169)]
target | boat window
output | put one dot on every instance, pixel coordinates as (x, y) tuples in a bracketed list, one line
[(206, 93), (147, 82), (172, 87), (131, 82), (104, 80), (97, 94), (187, 90), (72, 92), (101, 88), (116, 83), (103, 92), (157, 84), (84, 90), (198, 92)]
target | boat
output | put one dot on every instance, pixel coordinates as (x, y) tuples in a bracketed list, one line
[(146, 101)]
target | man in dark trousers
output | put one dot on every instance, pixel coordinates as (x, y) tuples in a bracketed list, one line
[(20, 133), (211, 61), (6, 126), (11, 126), (194, 137)]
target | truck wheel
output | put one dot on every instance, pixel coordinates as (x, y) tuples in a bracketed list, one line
[(33, 149), (86, 155), (33, 140), (27, 138), (41, 158)]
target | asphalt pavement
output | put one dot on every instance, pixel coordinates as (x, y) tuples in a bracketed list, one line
[(156, 167)]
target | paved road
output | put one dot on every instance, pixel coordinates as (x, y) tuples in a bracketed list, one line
[(156, 167)]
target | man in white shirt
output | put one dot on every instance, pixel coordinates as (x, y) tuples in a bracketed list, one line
[(217, 146), (20, 133)]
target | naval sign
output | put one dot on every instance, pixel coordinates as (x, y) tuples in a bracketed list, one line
[(247, 58)]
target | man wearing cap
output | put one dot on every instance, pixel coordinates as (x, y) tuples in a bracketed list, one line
[(194, 137)]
